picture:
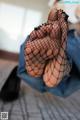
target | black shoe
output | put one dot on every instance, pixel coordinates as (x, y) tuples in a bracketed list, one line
[(11, 88)]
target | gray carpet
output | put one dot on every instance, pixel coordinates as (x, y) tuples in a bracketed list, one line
[(33, 105)]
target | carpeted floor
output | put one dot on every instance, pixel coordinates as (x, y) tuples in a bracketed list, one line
[(33, 105)]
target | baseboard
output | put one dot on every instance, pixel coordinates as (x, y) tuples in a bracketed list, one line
[(9, 55)]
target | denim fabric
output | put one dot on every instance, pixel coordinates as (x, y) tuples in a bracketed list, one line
[(69, 84)]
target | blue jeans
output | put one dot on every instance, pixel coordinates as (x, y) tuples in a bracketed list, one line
[(69, 84)]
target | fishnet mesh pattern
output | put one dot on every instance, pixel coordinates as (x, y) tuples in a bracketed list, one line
[(40, 50), (45, 52), (57, 68)]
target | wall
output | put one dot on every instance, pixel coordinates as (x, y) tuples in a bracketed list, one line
[(9, 44)]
